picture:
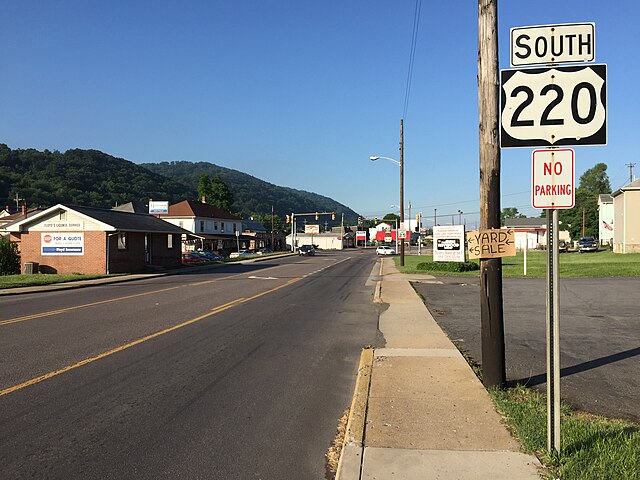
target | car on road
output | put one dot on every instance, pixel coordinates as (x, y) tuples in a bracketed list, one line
[(306, 250), (385, 250), (207, 255), (587, 244), (563, 246), (190, 258), (264, 251)]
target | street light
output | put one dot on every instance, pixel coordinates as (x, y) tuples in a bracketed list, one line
[(400, 164)]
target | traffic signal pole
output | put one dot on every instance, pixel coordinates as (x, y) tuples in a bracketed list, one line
[(491, 303)]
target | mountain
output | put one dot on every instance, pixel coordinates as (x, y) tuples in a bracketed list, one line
[(96, 179), (252, 195)]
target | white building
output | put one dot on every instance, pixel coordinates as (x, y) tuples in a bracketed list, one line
[(605, 219)]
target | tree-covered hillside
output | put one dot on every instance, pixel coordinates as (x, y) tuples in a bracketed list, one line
[(81, 177), (252, 195), (96, 179)]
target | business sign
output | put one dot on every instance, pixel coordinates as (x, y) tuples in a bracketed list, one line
[(62, 243), (448, 243), (553, 178), (551, 107), (491, 243), (312, 229), (402, 233), (158, 207), (544, 44), (361, 234), (62, 225)]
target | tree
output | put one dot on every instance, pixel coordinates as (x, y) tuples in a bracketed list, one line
[(593, 182), (204, 187), (9, 257), (220, 194), (510, 212), (391, 218)]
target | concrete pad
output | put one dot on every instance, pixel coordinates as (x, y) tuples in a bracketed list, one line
[(389, 463), (431, 403), (418, 352)]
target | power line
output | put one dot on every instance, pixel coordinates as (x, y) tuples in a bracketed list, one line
[(412, 55)]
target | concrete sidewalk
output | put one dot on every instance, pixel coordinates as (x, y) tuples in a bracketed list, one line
[(419, 412)]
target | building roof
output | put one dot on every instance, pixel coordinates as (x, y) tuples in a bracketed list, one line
[(253, 226), (635, 185), (532, 222), (111, 219), (133, 207), (191, 208), (605, 198)]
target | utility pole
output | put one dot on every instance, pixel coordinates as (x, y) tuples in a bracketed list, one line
[(401, 191), (435, 217), (583, 221), (630, 165), (273, 247), (491, 304)]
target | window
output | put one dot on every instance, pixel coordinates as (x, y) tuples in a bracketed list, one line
[(170, 241), (122, 240), (215, 226), (222, 226), (181, 224), (202, 225), (234, 228)]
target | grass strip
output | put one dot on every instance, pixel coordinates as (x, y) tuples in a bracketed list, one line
[(598, 264), (14, 281), (592, 447)]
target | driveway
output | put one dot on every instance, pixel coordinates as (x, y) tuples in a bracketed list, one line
[(599, 335)]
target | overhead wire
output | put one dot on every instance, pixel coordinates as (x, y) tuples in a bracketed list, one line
[(412, 56)]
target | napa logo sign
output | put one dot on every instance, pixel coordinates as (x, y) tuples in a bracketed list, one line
[(62, 243)]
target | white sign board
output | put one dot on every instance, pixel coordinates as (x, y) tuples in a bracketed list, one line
[(551, 107), (553, 178), (545, 44), (62, 243), (402, 233), (158, 207), (448, 243), (312, 229)]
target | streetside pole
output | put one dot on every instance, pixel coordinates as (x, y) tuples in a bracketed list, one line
[(491, 305), (273, 247), (553, 335), (401, 191)]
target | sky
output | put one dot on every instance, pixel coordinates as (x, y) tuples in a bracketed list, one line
[(299, 94)]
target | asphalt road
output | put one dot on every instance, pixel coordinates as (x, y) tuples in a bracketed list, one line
[(240, 372), (599, 335)]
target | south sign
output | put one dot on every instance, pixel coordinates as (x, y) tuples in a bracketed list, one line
[(546, 44)]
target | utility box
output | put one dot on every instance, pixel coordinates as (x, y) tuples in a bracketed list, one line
[(30, 268)]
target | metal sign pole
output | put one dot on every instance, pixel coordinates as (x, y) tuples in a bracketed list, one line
[(553, 335)]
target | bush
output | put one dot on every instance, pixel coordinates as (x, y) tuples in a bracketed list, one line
[(448, 266), (9, 257)]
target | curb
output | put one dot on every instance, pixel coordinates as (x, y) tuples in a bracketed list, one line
[(351, 456)]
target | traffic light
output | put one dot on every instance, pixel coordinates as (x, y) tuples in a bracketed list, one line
[(288, 219), (359, 220), (316, 215), (333, 215), (375, 219)]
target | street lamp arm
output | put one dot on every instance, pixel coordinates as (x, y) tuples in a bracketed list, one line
[(374, 158)]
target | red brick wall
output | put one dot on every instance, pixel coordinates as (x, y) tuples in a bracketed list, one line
[(93, 260)]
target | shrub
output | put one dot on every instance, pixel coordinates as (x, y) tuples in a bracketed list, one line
[(448, 266), (9, 257)]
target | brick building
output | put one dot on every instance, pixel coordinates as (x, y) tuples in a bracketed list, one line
[(74, 239)]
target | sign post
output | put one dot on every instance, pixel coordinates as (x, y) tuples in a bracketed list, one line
[(553, 107)]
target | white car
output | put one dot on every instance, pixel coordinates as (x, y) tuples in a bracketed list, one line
[(384, 250)]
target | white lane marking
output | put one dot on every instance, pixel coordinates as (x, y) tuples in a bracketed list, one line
[(263, 278)]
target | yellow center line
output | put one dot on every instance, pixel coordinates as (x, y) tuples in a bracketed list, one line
[(117, 299), (221, 308)]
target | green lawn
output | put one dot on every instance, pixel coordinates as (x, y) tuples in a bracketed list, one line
[(592, 447), (13, 281), (599, 264)]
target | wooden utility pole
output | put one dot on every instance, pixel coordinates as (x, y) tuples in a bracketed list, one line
[(630, 165), (491, 305), (583, 221), (401, 192)]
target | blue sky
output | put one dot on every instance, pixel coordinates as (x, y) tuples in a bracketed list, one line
[(299, 94)]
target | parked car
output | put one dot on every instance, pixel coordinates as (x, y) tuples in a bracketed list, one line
[(587, 244), (191, 258), (241, 253), (563, 246), (385, 250), (207, 255), (264, 251), (306, 250)]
